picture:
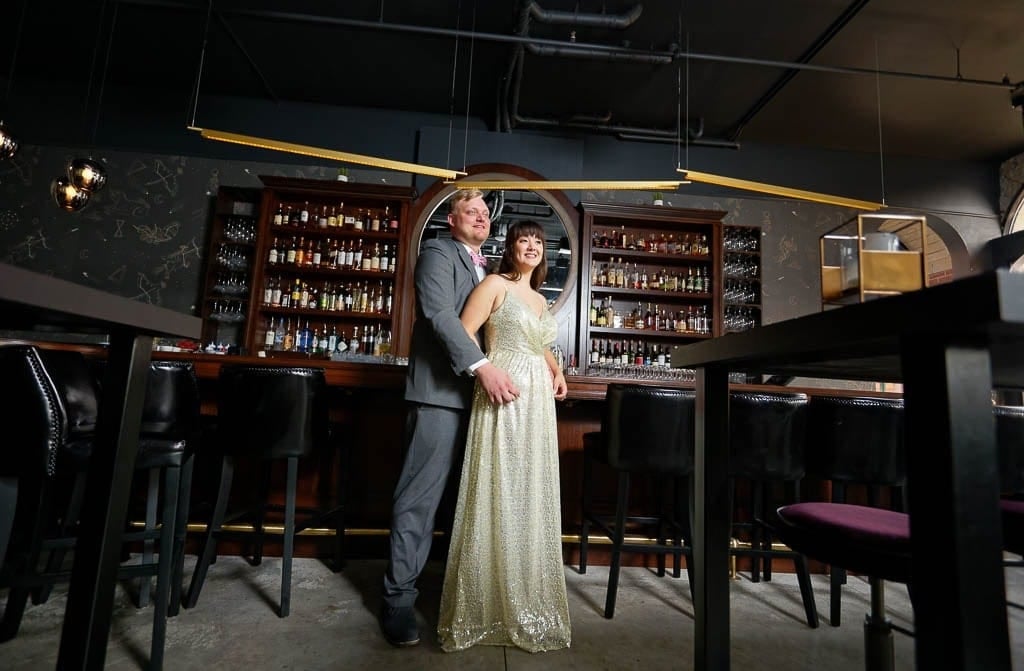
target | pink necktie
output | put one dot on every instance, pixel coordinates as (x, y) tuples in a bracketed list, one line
[(478, 259)]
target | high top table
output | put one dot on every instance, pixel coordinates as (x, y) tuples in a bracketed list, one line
[(949, 345), (34, 302)]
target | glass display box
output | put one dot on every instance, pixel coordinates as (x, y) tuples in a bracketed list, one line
[(873, 255)]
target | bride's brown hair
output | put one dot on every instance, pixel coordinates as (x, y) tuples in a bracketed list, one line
[(507, 266)]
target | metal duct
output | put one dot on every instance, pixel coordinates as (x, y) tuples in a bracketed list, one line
[(583, 52), (585, 19)]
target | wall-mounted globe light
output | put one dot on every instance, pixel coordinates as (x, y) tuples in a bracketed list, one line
[(87, 174), (8, 143), (66, 196)]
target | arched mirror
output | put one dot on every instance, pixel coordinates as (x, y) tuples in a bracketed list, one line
[(549, 209)]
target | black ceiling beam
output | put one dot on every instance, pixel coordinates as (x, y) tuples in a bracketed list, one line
[(816, 46)]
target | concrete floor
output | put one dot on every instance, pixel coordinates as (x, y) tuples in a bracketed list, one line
[(333, 625)]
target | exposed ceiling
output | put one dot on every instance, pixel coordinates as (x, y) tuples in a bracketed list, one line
[(935, 76)]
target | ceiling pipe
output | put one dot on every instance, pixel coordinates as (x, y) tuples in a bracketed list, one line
[(624, 20), (511, 117), (583, 52)]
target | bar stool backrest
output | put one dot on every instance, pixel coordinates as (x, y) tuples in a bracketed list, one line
[(34, 406), (766, 435), (856, 440), (1010, 438), (649, 429), (271, 411), (171, 407)]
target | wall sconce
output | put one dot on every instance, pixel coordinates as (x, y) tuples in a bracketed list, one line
[(87, 174), (8, 143), (66, 196)]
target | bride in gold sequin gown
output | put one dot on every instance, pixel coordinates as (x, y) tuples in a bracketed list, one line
[(504, 582)]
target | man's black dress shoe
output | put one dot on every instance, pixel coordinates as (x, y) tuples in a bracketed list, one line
[(399, 625)]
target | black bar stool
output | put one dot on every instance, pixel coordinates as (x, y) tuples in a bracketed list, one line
[(857, 442), (766, 448), (646, 431), (266, 413)]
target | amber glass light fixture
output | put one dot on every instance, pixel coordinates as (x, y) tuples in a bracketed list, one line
[(8, 143), (87, 174), (67, 197)]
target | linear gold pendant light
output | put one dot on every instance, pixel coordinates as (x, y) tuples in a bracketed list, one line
[(321, 152), (555, 184), (776, 190)]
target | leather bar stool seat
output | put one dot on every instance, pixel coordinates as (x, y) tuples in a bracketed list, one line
[(268, 414), (876, 542), (857, 442), (649, 432), (766, 449)]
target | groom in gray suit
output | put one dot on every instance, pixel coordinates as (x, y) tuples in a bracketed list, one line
[(439, 386)]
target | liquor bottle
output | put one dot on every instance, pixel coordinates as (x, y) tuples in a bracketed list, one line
[(375, 221), (268, 291), (353, 344), (332, 339), (384, 260), (358, 221), (279, 336), (332, 218), (305, 338), (325, 297), (350, 254), (367, 345), (289, 256), (321, 222), (366, 259), (297, 293), (357, 255), (595, 354), (303, 295), (307, 258), (275, 295), (300, 251), (288, 343), (331, 260), (293, 217), (279, 215), (325, 342), (593, 310), (304, 214), (388, 300), (364, 297), (271, 337), (272, 255), (392, 220), (392, 260), (375, 259)]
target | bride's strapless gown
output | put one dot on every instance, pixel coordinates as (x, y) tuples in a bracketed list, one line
[(505, 583)]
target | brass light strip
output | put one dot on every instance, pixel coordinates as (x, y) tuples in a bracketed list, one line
[(554, 184), (777, 190), (320, 152)]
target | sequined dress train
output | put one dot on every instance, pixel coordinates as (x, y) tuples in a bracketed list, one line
[(504, 582)]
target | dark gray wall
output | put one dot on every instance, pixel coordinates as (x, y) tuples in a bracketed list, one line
[(145, 140)]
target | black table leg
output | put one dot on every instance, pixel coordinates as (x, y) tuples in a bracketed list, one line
[(83, 643), (953, 490), (711, 521)]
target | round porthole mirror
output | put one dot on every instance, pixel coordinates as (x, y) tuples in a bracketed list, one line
[(550, 209)]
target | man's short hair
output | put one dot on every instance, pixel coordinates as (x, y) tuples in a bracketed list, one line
[(461, 196)]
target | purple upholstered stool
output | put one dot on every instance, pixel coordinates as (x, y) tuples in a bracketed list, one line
[(871, 541), (1013, 525)]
